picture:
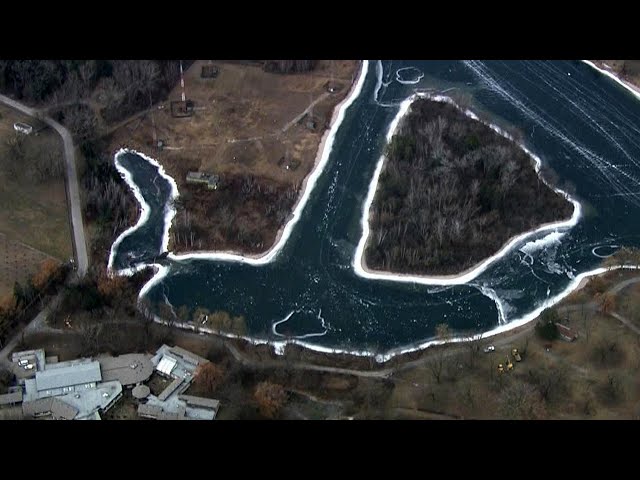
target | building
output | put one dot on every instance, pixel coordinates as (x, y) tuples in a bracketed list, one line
[(78, 384), (14, 397), (180, 366), (210, 180), (130, 369), (566, 333), (49, 407), (22, 128), (85, 388), (76, 389)]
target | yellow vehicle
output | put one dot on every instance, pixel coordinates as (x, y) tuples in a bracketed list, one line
[(516, 355), (500, 368), (509, 365)]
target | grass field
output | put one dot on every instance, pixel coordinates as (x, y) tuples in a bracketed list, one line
[(34, 213)]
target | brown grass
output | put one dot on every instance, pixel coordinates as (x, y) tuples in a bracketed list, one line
[(242, 103), (33, 215)]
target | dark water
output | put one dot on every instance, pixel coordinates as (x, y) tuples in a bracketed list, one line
[(584, 125)]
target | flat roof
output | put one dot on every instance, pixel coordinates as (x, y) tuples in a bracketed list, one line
[(128, 369), (87, 401), (200, 401), (188, 356), (67, 376), (52, 405), (172, 387), (141, 391), (11, 398)]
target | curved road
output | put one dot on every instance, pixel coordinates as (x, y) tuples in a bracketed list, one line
[(73, 191)]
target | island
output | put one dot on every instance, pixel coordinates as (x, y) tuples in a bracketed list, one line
[(451, 193)]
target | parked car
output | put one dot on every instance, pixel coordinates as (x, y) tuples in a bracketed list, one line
[(489, 349)]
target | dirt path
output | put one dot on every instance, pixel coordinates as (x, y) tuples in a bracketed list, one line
[(284, 129)]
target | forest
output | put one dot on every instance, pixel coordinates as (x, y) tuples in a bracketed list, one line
[(451, 193), (125, 86)]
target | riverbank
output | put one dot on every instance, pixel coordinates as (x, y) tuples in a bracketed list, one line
[(322, 154), (615, 69), (450, 381), (259, 132)]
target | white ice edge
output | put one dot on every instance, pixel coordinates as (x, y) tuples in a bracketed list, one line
[(482, 266), (614, 77), (273, 252), (145, 210), (270, 255), (280, 345)]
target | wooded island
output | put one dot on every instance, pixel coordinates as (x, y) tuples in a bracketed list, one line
[(452, 192)]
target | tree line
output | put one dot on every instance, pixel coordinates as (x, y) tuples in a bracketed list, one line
[(245, 213), (22, 302), (451, 193)]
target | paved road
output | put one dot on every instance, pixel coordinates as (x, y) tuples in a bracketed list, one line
[(36, 325), (73, 190)]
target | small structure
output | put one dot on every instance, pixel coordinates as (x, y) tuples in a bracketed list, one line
[(566, 333), (181, 108), (209, 71), (140, 392), (23, 128), (210, 180)]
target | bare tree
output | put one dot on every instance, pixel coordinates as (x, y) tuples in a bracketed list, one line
[(551, 382), (519, 401)]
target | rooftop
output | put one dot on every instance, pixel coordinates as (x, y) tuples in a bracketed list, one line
[(90, 400), (200, 402), (128, 369), (171, 388), (201, 177), (140, 392), (49, 406), (166, 365), (11, 398), (175, 408), (67, 376)]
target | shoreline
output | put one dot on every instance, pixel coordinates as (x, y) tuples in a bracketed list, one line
[(512, 239), (145, 210), (316, 163), (359, 261), (322, 156), (628, 85), (279, 346)]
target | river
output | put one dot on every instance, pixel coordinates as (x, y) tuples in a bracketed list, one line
[(581, 123)]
